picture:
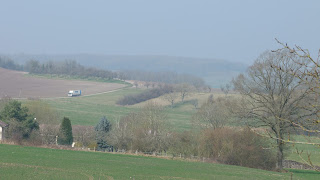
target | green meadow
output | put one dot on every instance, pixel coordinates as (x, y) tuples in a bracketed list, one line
[(305, 149), (20, 162), (88, 110)]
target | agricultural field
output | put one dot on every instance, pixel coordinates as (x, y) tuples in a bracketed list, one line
[(19, 162), (17, 84), (87, 111)]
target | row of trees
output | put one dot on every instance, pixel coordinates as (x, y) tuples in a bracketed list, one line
[(148, 131), (164, 77), (72, 68), (67, 67), (9, 64), (146, 95), (169, 92)]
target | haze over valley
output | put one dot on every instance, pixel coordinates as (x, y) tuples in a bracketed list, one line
[(170, 89), (215, 72)]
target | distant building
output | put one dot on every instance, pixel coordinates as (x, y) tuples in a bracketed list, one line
[(3, 126)]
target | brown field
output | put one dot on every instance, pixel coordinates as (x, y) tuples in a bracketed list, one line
[(15, 85)]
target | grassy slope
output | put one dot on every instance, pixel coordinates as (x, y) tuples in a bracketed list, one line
[(89, 110), (19, 162), (312, 149)]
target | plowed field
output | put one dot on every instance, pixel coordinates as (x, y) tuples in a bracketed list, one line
[(15, 84)]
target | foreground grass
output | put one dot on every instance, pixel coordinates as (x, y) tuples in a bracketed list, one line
[(18, 162)]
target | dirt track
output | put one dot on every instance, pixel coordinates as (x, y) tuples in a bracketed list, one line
[(15, 85)]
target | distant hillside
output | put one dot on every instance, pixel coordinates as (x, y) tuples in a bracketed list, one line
[(215, 72)]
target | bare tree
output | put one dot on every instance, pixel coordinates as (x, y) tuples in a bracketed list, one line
[(44, 113), (84, 135), (49, 133), (154, 126), (209, 88), (171, 98), (136, 84), (271, 95), (195, 103), (212, 114), (309, 75), (183, 90), (210, 99), (226, 89), (147, 84), (122, 134), (146, 130)]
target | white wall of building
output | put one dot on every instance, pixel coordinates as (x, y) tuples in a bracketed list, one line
[(0, 133)]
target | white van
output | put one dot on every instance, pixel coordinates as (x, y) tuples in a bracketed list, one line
[(74, 93)]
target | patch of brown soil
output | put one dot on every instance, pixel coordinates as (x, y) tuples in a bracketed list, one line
[(15, 85)]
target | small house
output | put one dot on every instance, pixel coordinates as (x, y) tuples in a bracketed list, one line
[(3, 126)]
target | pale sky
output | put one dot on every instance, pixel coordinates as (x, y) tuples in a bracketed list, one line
[(232, 30)]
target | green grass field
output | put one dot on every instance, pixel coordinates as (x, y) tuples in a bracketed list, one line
[(312, 149), (19, 162), (88, 110)]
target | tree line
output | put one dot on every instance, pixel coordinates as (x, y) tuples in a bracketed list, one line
[(67, 67), (9, 64), (73, 68), (168, 92), (132, 99), (163, 77), (149, 131)]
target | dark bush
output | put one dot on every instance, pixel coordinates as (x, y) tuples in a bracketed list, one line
[(21, 123), (242, 148), (184, 144), (145, 95), (9, 64)]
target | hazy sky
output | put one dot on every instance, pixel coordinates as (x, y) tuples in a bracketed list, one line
[(232, 30)]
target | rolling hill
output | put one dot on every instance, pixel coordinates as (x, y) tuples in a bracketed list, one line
[(215, 72)]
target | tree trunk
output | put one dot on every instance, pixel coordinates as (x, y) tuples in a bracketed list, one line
[(280, 146)]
